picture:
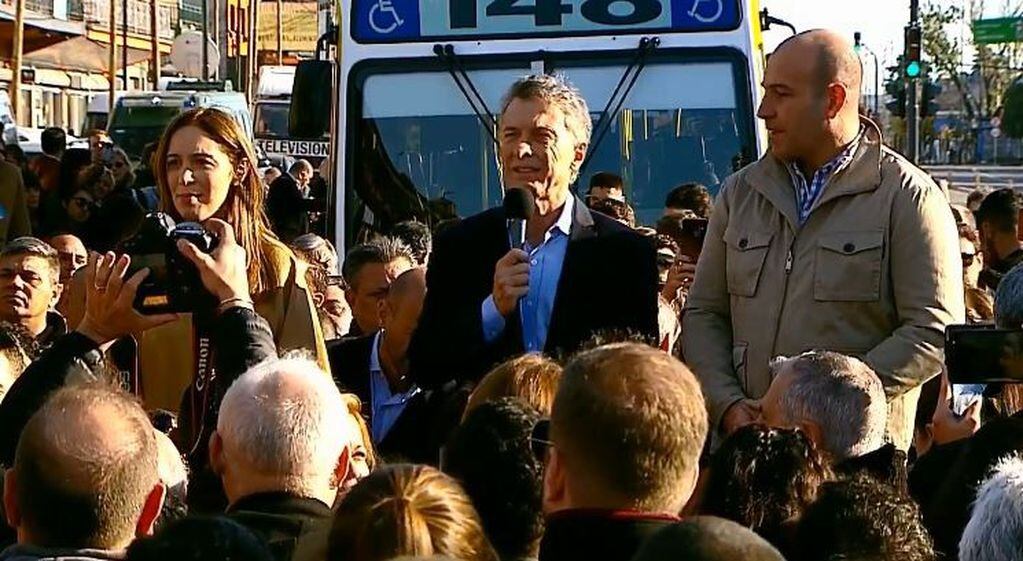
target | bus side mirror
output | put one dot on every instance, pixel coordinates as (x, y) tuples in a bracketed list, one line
[(311, 94)]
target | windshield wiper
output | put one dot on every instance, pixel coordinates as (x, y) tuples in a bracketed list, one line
[(472, 96), (631, 74)]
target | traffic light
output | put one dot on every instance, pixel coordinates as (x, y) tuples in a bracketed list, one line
[(912, 64), (897, 105), (929, 93)]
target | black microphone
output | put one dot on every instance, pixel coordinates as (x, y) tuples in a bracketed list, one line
[(518, 208)]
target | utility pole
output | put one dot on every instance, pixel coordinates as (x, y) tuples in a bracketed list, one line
[(280, 33), (19, 43), (220, 40), (124, 42), (154, 35), (205, 42), (912, 60), (112, 66), (253, 48)]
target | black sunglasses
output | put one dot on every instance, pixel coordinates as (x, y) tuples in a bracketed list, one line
[(968, 258), (539, 440)]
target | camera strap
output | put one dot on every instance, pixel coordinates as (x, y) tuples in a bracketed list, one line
[(203, 392)]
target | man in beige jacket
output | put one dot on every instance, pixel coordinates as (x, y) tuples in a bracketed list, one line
[(832, 241)]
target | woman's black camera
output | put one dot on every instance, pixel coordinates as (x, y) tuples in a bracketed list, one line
[(173, 284)]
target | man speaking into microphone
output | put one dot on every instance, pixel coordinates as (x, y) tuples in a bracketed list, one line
[(541, 273)]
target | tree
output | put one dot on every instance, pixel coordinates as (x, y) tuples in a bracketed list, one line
[(1012, 111), (944, 49)]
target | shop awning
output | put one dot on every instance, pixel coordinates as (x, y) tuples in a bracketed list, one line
[(40, 31), (80, 53)]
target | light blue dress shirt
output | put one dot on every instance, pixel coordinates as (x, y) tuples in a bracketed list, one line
[(545, 263), (386, 406)]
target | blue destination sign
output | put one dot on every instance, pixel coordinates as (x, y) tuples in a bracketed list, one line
[(391, 21)]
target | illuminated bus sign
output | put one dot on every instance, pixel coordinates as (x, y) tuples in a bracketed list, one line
[(391, 21)]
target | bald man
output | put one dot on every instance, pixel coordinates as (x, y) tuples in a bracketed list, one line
[(832, 241), (85, 481), (406, 421), (376, 367)]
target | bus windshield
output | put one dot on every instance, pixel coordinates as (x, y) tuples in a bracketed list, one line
[(429, 157), (271, 119)]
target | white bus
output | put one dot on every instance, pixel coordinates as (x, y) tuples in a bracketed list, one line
[(672, 85)]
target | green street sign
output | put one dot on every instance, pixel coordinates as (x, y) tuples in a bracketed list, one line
[(998, 30)]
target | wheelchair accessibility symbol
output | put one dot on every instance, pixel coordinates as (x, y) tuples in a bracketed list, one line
[(384, 18), (700, 12)]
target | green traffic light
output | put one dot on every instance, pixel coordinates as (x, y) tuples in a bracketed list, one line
[(913, 69)]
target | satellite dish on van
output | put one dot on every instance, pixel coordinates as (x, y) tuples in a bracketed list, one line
[(186, 54)]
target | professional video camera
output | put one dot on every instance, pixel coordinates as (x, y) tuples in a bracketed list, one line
[(173, 284)]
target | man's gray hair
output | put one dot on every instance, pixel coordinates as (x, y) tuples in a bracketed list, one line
[(843, 396), (383, 249), (35, 247), (995, 529), (555, 89), (286, 418), (1009, 300)]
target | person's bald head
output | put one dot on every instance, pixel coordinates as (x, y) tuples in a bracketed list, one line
[(284, 427), (402, 308), (85, 473), (811, 97), (834, 57)]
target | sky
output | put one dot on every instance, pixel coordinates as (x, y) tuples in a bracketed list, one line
[(880, 21)]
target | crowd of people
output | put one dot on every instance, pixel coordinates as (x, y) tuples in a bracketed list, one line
[(758, 376)]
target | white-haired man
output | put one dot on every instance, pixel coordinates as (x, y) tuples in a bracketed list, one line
[(995, 529), (839, 402), (284, 447), (577, 272)]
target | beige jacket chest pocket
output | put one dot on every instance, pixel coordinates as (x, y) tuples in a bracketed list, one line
[(747, 252), (848, 266)]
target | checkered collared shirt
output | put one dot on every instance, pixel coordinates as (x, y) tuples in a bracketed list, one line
[(807, 193)]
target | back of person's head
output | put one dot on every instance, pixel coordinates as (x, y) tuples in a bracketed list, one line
[(532, 377), (1000, 211), (995, 530), (491, 454), (764, 479), (607, 180), (417, 237), (403, 509), (627, 427), (613, 208), (383, 250), (174, 476), (838, 400), (53, 141), (706, 538), (1009, 300), (85, 472), (690, 196), (863, 518), (201, 538), (975, 197), (283, 426)]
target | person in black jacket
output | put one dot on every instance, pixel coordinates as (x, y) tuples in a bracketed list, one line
[(405, 421), (488, 300)]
